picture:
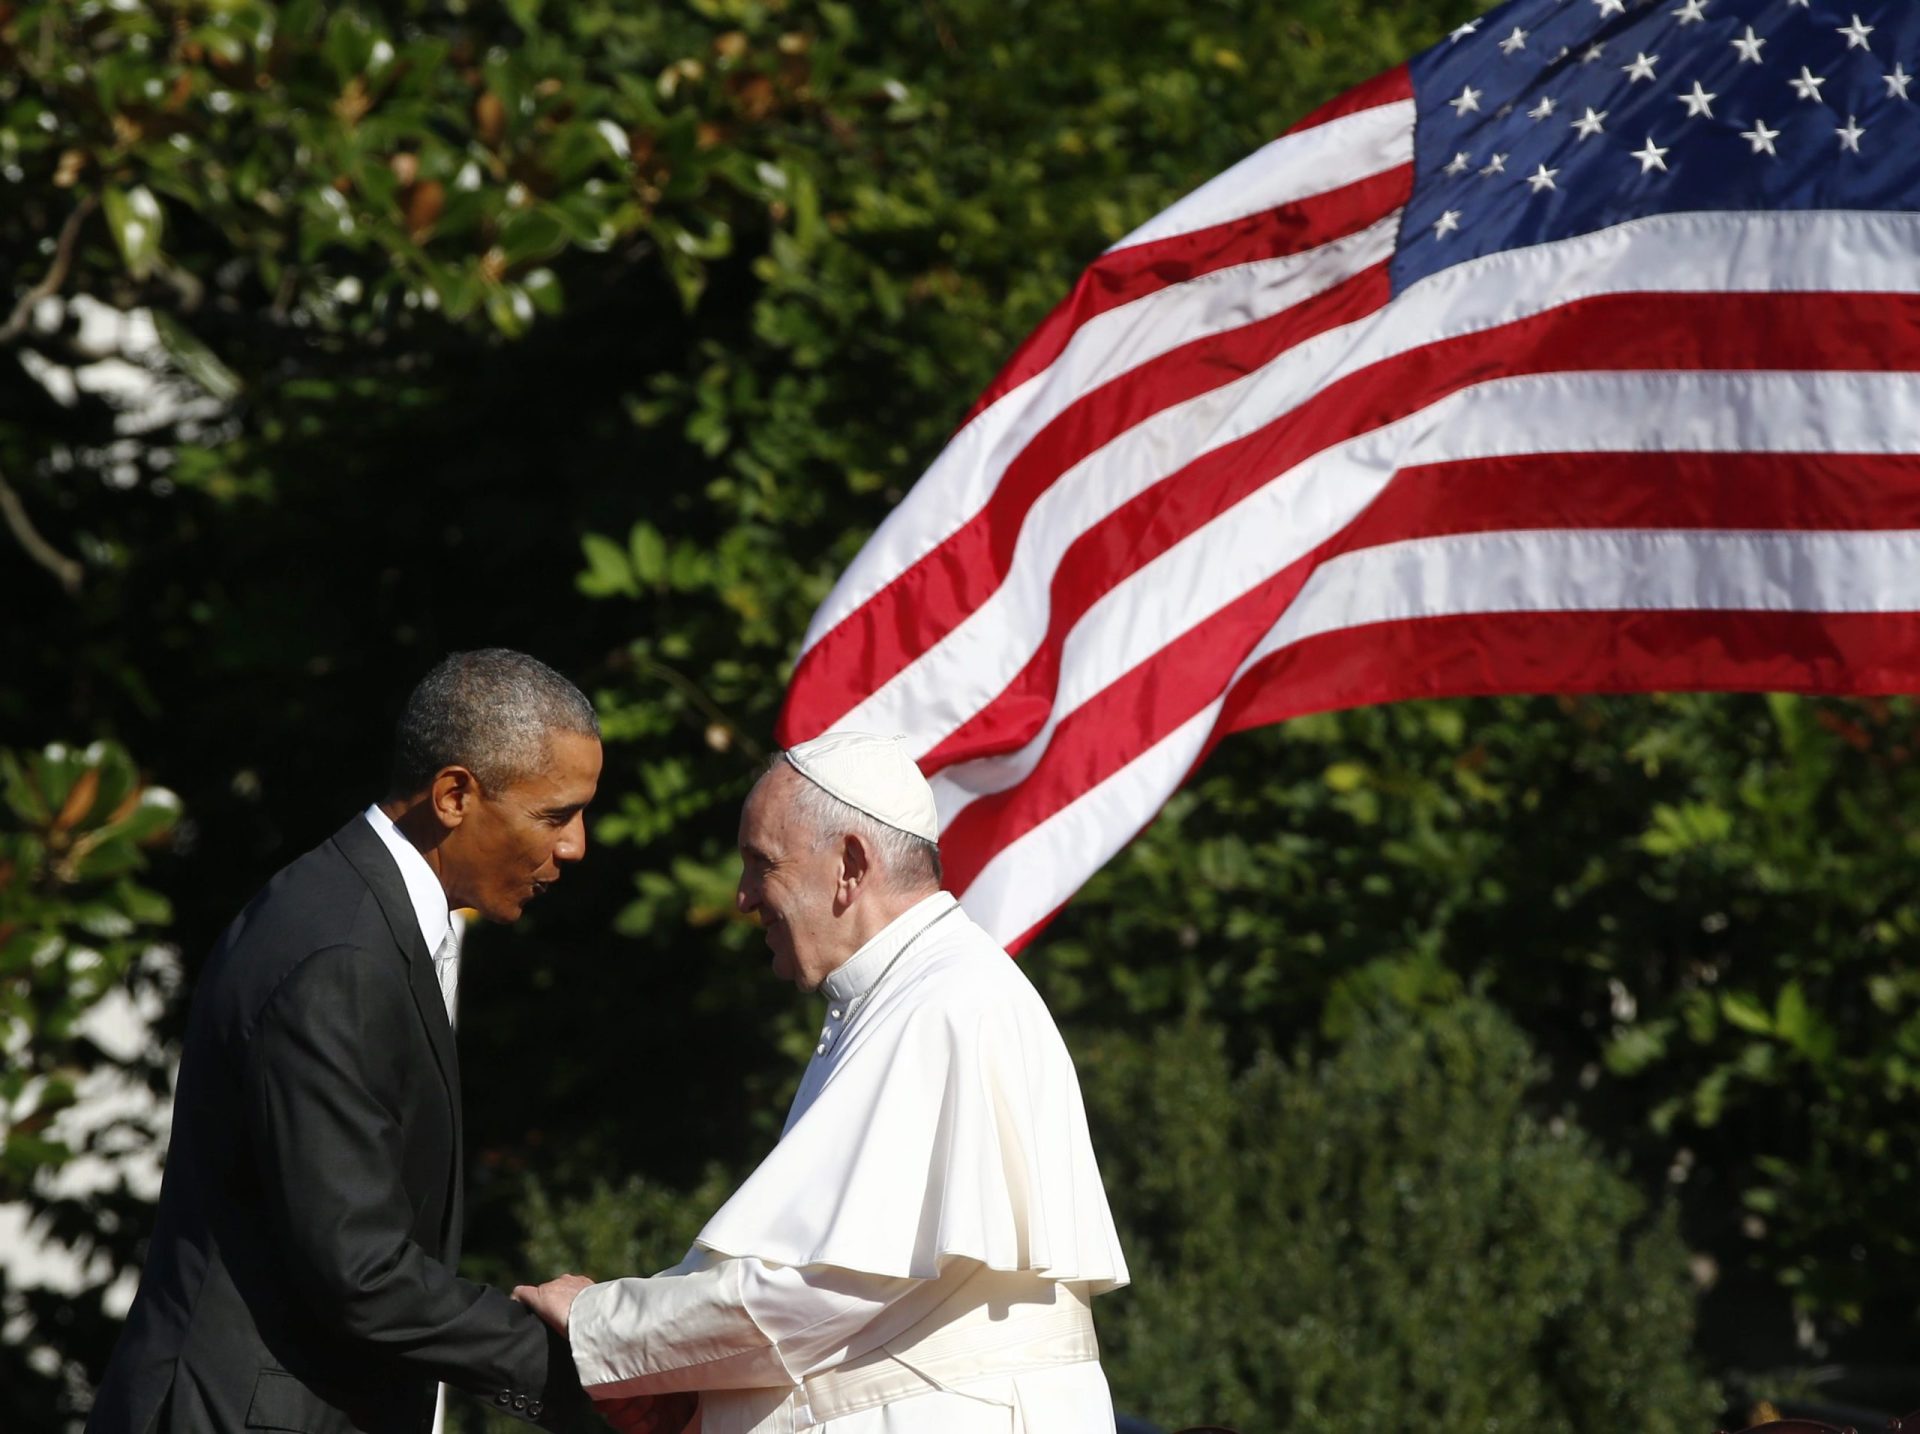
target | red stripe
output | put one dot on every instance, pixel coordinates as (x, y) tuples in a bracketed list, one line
[(919, 607), (1496, 654), (1606, 490), (1103, 735), (1502, 654), (1395, 85), (1771, 492), (1124, 275), (1098, 739)]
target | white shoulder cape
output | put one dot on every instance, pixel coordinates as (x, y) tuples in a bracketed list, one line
[(949, 1125)]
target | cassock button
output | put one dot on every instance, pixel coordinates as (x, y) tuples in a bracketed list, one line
[(835, 1013), (821, 1049), (505, 1396), (519, 1401), (533, 1410)]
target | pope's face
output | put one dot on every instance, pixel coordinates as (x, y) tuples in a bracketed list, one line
[(510, 845), (789, 884)]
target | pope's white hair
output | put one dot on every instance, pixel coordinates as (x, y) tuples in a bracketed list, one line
[(906, 862)]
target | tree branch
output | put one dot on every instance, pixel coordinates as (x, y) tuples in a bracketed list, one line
[(38, 548), (56, 274), (710, 709), (65, 569)]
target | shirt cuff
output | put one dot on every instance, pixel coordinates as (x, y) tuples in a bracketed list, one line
[(649, 1336)]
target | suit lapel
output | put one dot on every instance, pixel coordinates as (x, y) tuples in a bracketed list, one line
[(370, 857)]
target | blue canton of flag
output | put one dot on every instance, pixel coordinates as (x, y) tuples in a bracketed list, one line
[(1550, 118)]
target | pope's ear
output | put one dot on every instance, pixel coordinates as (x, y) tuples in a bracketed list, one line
[(454, 792), (856, 865)]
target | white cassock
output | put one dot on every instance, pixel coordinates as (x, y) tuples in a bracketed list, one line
[(917, 1254)]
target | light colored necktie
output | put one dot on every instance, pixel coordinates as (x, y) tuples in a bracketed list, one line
[(446, 968)]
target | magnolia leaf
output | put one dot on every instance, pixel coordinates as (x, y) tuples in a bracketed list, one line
[(137, 222), (196, 360), (607, 573)]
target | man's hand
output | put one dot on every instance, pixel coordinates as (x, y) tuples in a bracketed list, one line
[(554, 1300), (649, 1413)]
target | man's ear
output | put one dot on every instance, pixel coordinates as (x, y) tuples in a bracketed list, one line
[(856, 865), (454, 792)]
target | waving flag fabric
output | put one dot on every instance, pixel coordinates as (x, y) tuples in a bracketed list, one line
[(1582, 353)]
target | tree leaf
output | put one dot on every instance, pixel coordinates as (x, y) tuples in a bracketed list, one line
[(137, 222)]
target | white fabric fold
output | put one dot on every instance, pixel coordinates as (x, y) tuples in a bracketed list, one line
[(722, 1324), (944, 1121)]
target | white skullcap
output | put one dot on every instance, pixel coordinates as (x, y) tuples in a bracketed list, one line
[(872, 774)]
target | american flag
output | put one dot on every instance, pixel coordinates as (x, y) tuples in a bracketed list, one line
[(1577, 354)]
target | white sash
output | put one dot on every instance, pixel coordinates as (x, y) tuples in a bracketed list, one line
[(994, 1324)]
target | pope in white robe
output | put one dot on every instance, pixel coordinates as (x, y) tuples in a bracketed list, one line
[(919, 1251)]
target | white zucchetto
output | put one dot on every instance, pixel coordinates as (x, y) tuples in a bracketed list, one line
[(872, 774)]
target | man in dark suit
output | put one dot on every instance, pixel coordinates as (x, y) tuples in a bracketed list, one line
[(301, 1271)]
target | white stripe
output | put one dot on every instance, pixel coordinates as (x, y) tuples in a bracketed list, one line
[(1610, 570), (1537, 413), (1034, 873), (1597, 571), (966, 473), (1289, 169), (943, 687)]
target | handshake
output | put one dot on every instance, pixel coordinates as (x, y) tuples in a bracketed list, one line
[(632, 1414)]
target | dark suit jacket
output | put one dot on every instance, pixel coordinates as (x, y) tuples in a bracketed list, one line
[(301, 1271)]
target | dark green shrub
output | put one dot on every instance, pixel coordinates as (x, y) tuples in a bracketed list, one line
[(1386, 1238)]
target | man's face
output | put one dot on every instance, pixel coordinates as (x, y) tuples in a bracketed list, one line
[(788, 884), (510, 845)]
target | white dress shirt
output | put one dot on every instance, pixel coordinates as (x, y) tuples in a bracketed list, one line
[(429, 900), (437, 928)]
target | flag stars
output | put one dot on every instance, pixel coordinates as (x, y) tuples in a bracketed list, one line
[(1446, 224), (1856, 34), (1458, 164), (1897, 83), (1611, 7), (1749, 47), (1641, 68), (1589, 124), (1761, 138), (1698, 102), (1692, 12), (1850, 135), (1466, 101), (1463, 31), (1652, 157), (1541, 110), (1496, 164), (1593, 52), (1807, 85), (1515, 42), (1541, 179)]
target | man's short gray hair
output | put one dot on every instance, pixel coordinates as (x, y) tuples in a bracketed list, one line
[(492, 711), (907, 862)]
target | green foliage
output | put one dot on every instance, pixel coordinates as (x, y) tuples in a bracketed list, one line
[(637, 1227), (76, 925), (1700, 907), (1386, 1237), (611, 331)]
